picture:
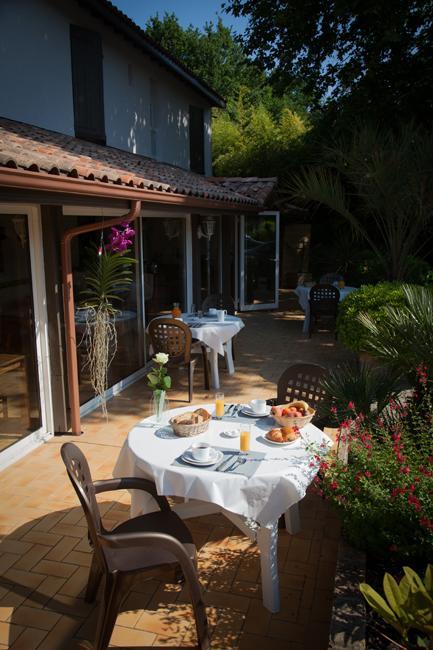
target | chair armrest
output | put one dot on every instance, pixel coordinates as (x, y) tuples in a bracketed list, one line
[(132, 483), (272, 401)]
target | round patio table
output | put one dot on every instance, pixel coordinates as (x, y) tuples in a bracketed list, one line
[(303, 294), (253, 495)]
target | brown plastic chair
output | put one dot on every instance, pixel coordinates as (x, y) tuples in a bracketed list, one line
[(324, 299), (174, 337), (301, 381), (122, 555)]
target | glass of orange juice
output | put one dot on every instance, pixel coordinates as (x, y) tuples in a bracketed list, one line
[(245, 437), (219, 405)]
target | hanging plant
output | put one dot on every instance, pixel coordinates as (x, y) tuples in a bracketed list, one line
[(108, 276)]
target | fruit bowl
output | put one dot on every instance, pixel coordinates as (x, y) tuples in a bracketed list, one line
[(280, 413)]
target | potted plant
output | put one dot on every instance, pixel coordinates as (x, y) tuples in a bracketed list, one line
[(108, 276)]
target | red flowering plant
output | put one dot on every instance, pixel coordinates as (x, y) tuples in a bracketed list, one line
[(384, 491)]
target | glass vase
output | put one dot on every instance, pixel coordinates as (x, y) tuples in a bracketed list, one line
[(158, 404)]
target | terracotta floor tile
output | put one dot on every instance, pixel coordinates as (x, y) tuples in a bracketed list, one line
[(61, 636), (9, 632), (62, 549), (125, 636), (42, 619), (30, 639)]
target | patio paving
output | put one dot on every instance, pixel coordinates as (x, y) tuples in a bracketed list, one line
[(44, 553)]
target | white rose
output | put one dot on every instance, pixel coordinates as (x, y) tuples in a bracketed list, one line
[(161, 358)]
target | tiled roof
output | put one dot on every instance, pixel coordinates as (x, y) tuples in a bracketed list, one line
[(27, 147), (120, 22), (251, 187)]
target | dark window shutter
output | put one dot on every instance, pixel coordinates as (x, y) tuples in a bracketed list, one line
[(196, 139), (87, 84)]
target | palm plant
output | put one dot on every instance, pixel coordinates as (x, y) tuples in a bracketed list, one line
[(357, 387), (403, 339), (108, 276), (382, 184)]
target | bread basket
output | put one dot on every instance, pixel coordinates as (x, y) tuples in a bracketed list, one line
[(286, 421), (187, 430)]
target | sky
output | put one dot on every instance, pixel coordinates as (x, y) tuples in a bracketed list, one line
[(196, 12)]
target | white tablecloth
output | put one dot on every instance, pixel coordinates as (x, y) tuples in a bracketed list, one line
[(280, 481), (213, 333), (303, 294)]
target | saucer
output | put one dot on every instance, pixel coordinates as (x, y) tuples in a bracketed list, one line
[(215, 456), (281, 444), (231, 433), (247, 410)]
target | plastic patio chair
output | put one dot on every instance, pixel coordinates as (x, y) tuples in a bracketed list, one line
[(324, 299), (143, 543), (174, 337)]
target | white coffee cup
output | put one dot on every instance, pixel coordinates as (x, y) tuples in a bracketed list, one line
[(258, 405), (200, 450), (221, 314), (212, 311)]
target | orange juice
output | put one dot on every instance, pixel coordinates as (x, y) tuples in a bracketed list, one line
[(219, 405), (245, 440)]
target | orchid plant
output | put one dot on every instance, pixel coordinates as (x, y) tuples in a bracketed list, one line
[(109, 275)]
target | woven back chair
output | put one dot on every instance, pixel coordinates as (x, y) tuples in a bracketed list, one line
[(301, 381), (174, 337), (324, 299), (122, 555)]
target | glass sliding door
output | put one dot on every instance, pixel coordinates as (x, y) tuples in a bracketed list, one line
[(128, 321), (259, 261), (164, 264), (20, 396)]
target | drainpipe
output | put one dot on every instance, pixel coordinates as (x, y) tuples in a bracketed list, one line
[(69, 306)]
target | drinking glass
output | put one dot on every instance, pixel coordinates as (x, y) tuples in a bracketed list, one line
[(245, 437), (192, 311), (219, 405)]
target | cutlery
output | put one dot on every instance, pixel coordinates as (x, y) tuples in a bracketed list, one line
[(226, 461), (236, 464), (230, 406)]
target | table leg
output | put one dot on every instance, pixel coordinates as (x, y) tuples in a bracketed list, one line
[(292, 520), (214, 375), (306, 325), (267, 540), (229, 357)]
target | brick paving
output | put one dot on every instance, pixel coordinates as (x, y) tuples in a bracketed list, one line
[(44, 553)]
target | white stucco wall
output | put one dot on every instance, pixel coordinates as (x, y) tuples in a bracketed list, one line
[(36, 83), (35, 65)]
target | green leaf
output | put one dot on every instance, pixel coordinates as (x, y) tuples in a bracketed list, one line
[(414, 580), (428, 579), (393, 594), (379, 605), (167, 382)]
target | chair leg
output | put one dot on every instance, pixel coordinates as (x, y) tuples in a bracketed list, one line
[(112, 597), (191, 368), (95, 575), (205, 367)]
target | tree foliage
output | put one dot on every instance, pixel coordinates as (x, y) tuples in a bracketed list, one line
[(367, 58), (381, 183)]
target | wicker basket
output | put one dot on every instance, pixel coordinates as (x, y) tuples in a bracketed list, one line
[(188, 430), (285, 421)]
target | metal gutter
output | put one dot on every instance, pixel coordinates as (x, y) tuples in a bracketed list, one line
[(24, 179), (69, 306)]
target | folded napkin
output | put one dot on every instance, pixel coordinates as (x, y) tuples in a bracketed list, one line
[(249, 462)]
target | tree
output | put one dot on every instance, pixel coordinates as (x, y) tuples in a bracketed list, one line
[(214, 54), (364, 58), (381, 183)]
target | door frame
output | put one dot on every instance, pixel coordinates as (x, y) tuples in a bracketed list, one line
[(242, 305), (46, 430)]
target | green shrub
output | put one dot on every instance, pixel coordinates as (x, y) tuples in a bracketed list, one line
[(372, 300), (384, 492)]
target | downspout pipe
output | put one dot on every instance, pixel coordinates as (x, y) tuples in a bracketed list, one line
[(69, 306)]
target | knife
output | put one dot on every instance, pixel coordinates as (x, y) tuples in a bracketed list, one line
[(226, 461)]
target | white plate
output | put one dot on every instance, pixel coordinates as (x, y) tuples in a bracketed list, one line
[(214, 458), (231, 433), (281, 444), (247, 410)]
